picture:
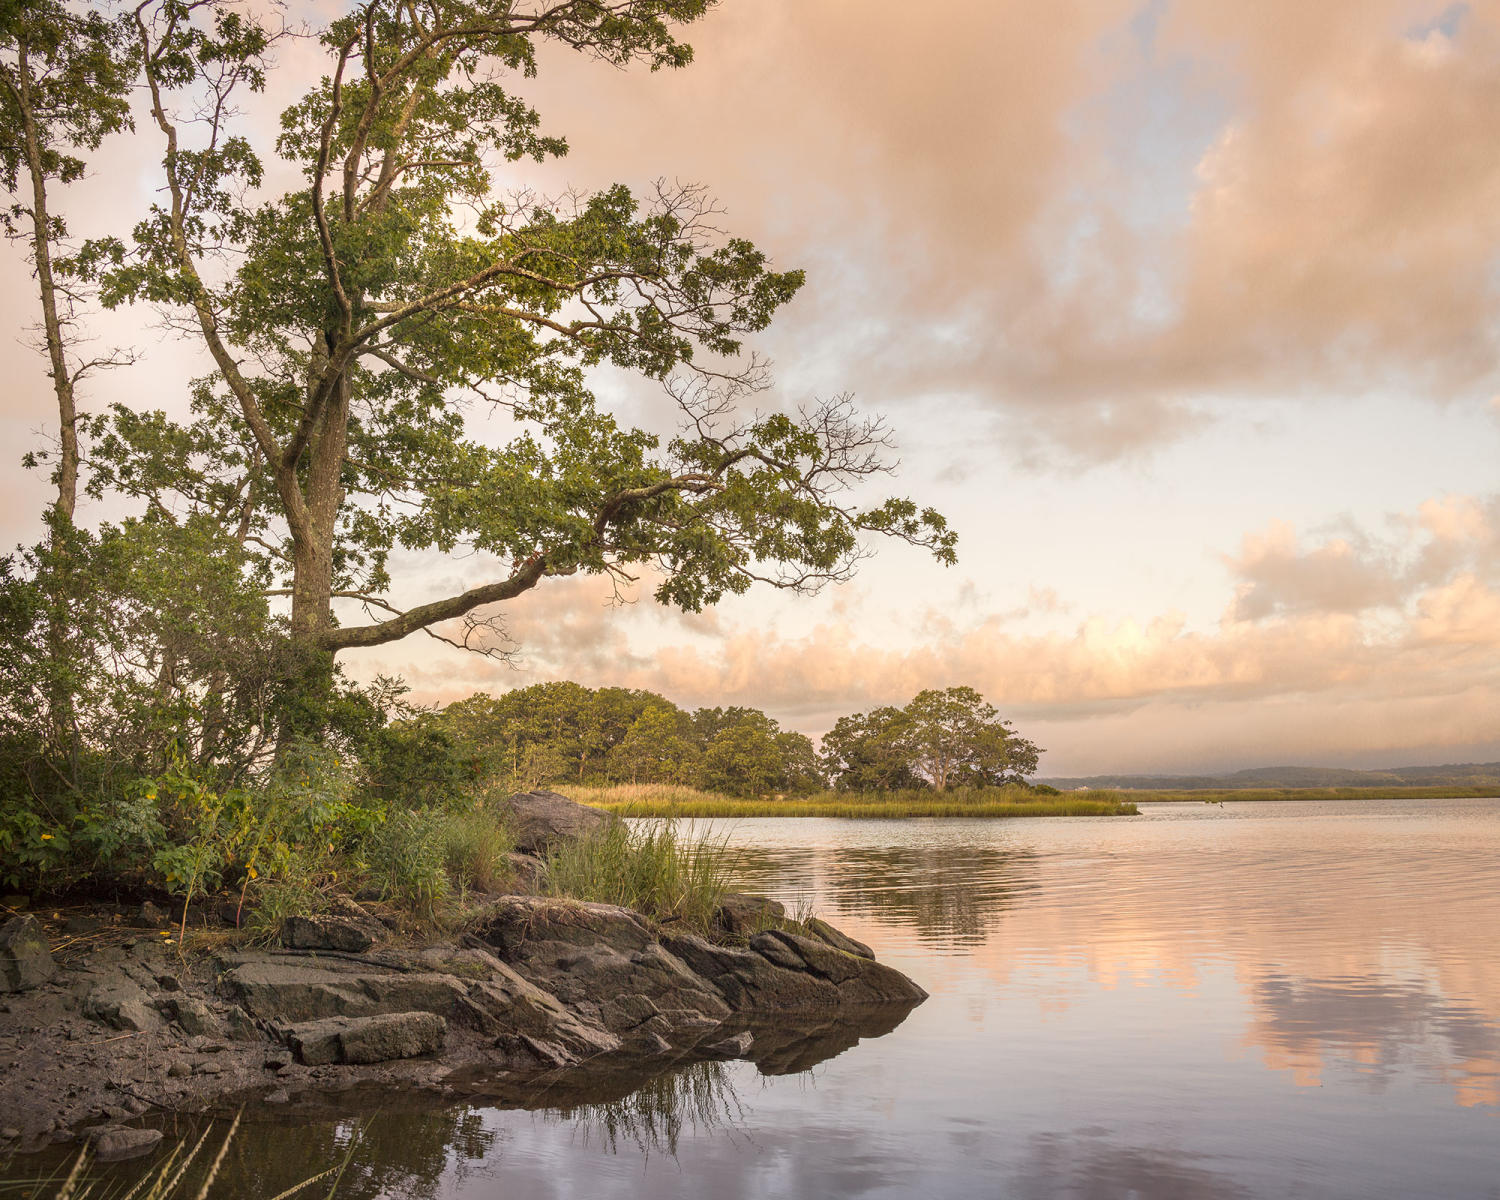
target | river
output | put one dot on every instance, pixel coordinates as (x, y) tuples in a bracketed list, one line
[(1248, 1000)]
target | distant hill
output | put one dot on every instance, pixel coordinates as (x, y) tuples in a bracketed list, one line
[(1450, 775)]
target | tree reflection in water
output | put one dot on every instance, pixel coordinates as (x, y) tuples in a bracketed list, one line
[(943, 894)]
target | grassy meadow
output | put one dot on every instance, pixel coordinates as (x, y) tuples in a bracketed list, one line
[(669, 800)]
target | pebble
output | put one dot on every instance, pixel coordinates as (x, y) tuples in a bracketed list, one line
[(10, 1133), (279, 1096)]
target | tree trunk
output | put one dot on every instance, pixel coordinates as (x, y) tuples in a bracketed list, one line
[(41, 251), (311, 673)]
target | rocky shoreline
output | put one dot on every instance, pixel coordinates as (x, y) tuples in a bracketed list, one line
[(531, 989)]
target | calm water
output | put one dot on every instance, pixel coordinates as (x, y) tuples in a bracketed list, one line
[(1257, 1000)]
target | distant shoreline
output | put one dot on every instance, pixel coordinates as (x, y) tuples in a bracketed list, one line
[(1226, 795)]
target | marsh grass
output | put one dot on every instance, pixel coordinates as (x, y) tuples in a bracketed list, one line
[(667, 872), (671, 801)]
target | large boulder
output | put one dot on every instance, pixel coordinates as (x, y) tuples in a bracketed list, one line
[(25, 956), (607, 960), (542, 819)]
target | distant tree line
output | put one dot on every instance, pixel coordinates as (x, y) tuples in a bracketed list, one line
[(556, 733)]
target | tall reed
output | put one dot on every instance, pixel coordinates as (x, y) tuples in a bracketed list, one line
[(667, 873)]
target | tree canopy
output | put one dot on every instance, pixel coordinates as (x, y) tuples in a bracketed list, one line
[(945, 738), (359, 322)]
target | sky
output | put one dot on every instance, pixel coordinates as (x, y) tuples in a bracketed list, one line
[(1185, 313)]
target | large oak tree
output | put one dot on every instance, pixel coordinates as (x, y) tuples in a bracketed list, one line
[(358, 321)]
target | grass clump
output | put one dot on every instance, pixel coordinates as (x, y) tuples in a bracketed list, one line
[(657, 870), (405, 861), (475, 848)]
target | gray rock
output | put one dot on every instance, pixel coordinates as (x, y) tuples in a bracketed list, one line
[(25, 956), (306, 991), (241, 1027), (825, 932), (367, 1039), (528, 871), (121, 1002), (149, 916), (278, 1096), (735, 1046), (325, 933), (542, 819), (114, 1143), (195, 1017), (743, 914)]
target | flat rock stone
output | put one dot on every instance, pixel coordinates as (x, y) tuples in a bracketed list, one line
[(25, 956), (122, 1003), (302, 991), (542, 819), (114, 1143), (325, 933), (367, 1039)]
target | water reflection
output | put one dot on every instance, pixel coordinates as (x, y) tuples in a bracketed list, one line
[(1258, 1001), (947, 895), (699, 1098), (1380, 1027), (1090, 1166)]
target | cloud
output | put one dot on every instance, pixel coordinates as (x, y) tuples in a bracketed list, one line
[(1099, 235), (1354, 646), (1448, 540)]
